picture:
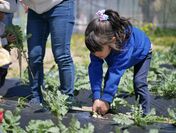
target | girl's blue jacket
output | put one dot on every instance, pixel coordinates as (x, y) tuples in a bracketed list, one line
[(134, 50)]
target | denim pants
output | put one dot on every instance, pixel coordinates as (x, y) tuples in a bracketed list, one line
[(58, 22), (8, 19), (3, 74), (140, 83)]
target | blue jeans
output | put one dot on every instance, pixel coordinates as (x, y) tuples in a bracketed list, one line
[(8, 19), (140, 83), (3, 74), (59, 22)]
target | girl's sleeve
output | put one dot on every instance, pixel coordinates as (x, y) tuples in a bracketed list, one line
[(95, 76), (114, 75), (8, 6)]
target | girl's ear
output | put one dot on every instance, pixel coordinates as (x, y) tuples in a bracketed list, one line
[(113, 43)]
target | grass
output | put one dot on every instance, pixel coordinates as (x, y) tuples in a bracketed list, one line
[(164, 37), (79, 50), (164, 41)]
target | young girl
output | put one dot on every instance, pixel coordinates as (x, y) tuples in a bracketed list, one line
[(113, 39)]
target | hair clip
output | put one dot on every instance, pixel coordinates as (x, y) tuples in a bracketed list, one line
[(101, 15)]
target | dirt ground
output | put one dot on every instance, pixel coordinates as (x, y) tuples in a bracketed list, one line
[(11, 92), (14, 70)]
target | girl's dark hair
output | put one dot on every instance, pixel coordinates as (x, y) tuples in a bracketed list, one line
[(100, 32)]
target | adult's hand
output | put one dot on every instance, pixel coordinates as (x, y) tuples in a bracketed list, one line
[(24, 6), (11, 38)]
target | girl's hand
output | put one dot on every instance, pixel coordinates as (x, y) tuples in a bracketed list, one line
[(96, 106), (101, 107), (104, 107), (11, 38)]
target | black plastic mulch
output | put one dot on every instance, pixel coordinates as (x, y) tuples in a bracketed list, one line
[(12, 90)]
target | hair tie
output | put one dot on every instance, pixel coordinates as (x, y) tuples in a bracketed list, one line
[(102, 16)]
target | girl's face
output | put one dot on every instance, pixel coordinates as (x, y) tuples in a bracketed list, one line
[(106, 49), (104, 53)]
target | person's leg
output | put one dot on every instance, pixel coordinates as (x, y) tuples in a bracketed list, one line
[(38, 28), (140, 83), (61, 24), (3, 73), (8, 19)]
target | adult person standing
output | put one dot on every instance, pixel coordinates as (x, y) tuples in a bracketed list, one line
[(55, 17)]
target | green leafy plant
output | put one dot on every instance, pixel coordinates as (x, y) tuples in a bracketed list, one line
[(141, 120), (11, 123), (171, 54), (22, 102), (165, 86), (52, 79), (148, 28), (126, 83), (42, 126), (161, 80), (75, 127), (120, 130), (25, 78), (136, 118), (123, 119), (118, 102), (172, 114), (57, 102), (17, 32), (153, 131), (81, 78)]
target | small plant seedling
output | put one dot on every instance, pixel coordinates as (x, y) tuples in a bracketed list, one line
[(96, 115)]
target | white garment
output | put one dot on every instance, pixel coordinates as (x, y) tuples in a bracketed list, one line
[(4, 54), (8, 6), (4, 57), (41, 6)]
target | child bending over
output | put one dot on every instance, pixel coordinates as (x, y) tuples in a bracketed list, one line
[(112, 39)]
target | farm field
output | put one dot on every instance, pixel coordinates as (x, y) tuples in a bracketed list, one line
[(62, 118), (104, 125)]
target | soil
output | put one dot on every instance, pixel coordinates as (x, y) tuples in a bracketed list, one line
[(12, 90)]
